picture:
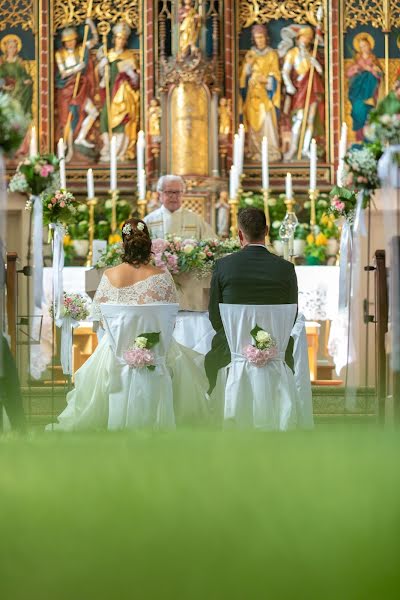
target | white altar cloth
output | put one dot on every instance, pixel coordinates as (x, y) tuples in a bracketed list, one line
[(318, 301)]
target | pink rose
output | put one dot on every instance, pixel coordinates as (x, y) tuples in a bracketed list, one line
[(62, 204), (50, 206), (53, 200), (46, 170), (257, 357), (139, 357), (339, 205), (159, 246)]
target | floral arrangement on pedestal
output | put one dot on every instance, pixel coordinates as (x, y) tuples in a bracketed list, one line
[(263, 350), (13, 124), (75, 306), (35, 175), (179, 255), (384, 121), (140, 355), (59, 208)]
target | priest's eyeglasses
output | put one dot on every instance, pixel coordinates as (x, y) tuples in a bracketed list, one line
[(173, 192)]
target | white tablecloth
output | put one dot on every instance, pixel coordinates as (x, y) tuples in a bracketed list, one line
[(318, 301)]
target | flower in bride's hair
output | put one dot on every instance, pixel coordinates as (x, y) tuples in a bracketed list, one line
[(140, 226), (127, 229)]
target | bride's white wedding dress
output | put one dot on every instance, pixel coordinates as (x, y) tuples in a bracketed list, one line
[(87, 406)]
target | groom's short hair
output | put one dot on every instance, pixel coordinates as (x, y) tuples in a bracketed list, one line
[(253, 224)]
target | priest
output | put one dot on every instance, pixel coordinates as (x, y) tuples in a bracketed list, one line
[(172, 218)]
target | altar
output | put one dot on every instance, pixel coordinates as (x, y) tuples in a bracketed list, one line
[(318, 302)]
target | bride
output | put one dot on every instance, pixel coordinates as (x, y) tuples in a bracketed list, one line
[(135, 281)]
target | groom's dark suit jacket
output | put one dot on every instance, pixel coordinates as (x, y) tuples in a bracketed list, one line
[(251, 276)]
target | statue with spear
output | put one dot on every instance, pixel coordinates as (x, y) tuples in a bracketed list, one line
[(75, 83), (302, 76)]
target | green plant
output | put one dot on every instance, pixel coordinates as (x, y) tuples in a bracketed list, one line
[(301, 231)]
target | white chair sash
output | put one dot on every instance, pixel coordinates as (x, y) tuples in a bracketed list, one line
[(302, 373), (259, 397), (139, 398)]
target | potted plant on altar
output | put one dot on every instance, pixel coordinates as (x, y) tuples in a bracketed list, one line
[(315, 249), (79, 231), (300, 235)]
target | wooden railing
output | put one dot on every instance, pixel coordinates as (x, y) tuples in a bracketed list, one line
[(11, 283), (381, 328)]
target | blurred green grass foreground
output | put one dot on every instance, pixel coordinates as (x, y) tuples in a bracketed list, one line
[(200, 515)]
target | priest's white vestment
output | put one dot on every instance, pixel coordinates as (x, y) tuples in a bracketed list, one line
[(182, 222)]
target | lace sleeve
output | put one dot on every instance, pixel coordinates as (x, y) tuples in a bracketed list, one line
[(159, 289), (102, 295)]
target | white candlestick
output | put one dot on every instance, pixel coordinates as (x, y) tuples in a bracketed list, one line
[(241, 146), (61, 158), (33, 143), (236, 151), (264, 163), (232, 182), (343, 142), (113, 164), (140, 146), (90, 184), (142, 184), (313, 166), (289, 188)]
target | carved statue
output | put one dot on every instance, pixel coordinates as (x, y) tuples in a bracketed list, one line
[(295, 75), (223, 211), (15, 79), (365, 74), (119, 73), (189, 28), (225, 116), (76, 112), (155, 120), (260, 86)]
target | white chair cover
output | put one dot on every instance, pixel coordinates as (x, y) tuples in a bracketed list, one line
[(194, 330), (139, 398), (302, 374), (260, 397)]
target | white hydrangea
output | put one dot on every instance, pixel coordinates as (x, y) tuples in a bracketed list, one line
[(141, 342)]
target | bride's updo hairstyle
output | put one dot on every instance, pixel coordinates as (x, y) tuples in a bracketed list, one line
[(136, 242)]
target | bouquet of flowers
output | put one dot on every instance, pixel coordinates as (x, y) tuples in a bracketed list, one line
[(140, 355), (35, 175), (343, 202), (75, 306), (59, 207), (264, 349), (384, 121), (315, 249), (362, 168), (13, 124)]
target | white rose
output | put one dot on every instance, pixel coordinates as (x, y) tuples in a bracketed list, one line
[(385, 119), (262, 336), (272, 202), (202, 255), (188, 249), (249, 201), (276, 224), (177, 239), (141, 342)]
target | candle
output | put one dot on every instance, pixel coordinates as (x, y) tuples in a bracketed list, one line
[(142, 184), (113, 164), (61, 159), (236, 152), (313, 166), (33, 143), (343, 142), (90, 184), (264, 163), (140, 146), (339, 176), (241, 146), (233, 182), (289, 189)]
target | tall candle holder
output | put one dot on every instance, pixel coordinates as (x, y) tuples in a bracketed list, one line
[(114, 199), (142, 206), (91, 202), (266, 194), (234, 209), (313, 195), (291, 219)]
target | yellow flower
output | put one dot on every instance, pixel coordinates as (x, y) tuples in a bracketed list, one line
[(114, 238), (324, 219), (321, 240), (310, 238), (67, 240)]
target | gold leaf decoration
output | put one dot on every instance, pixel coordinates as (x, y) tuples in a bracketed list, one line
[(16, 12), (263, 11), (381, 14), (75, 12)]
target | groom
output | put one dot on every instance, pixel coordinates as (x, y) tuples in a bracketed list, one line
[(251, 276)]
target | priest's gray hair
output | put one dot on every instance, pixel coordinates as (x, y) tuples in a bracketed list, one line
[(165, 178)]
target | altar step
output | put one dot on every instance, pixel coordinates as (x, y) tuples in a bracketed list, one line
[(41, 402)]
